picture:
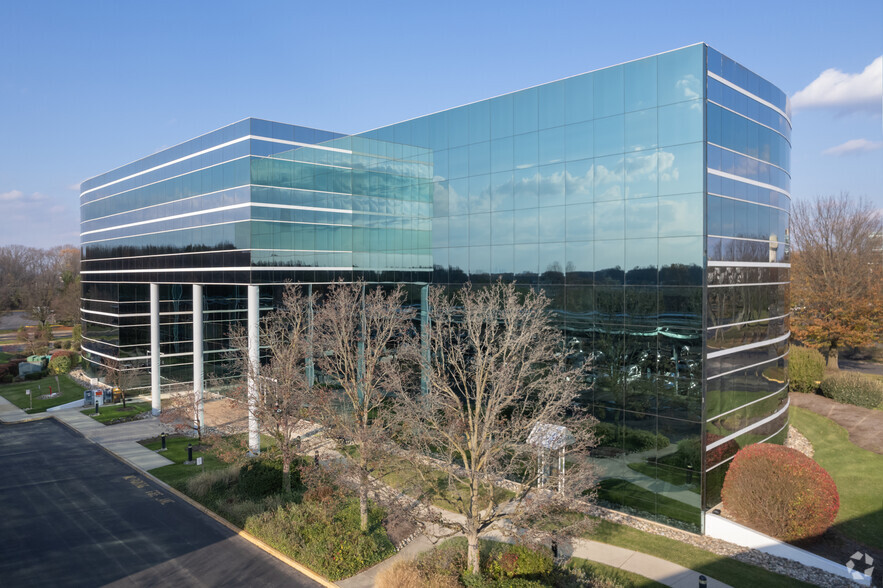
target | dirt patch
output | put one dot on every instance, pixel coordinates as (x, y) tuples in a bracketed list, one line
[(862, 424), (223, 415)]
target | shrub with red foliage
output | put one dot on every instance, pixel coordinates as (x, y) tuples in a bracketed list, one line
[(780, 492), (62, 353), (721, 452)]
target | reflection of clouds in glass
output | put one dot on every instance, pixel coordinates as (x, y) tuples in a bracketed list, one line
[(609, 181), (667, 170), (689, 86), (640, 175), (680, 215)]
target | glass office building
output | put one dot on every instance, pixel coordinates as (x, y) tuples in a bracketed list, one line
[(649, 200)]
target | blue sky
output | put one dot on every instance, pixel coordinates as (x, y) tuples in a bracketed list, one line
[(88, 86)]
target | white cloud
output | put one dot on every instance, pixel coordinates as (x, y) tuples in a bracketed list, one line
[(847, 91), (11, 195), (854, 146)]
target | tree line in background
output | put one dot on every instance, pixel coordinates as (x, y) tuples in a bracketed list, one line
[(45, 283), (836, 274)]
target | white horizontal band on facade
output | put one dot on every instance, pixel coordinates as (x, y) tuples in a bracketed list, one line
[(748, 264), (763, 320), (729, 176), (755, 121), (748, 367), (248, 268), (202, 253), (167, 203), (779, 391), (748, 284), (766, 241), (722, 462), (739, 153), (215, 148), (221, 209), (748, 346), (750, 427), (741, 90), (744, 200)]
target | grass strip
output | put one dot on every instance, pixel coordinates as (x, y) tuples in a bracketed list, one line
[(857, 472), (116, 413), (16, 393)]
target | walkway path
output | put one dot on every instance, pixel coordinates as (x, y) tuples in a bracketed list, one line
[(862, 424), (119, 439)]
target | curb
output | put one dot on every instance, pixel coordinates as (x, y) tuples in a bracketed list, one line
[(240, 532)]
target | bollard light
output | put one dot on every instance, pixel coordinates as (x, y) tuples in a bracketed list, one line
[(703, 582), (96, 406), (163, 438), (189, 452)]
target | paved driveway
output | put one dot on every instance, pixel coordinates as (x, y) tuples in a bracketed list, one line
[(72, 515)]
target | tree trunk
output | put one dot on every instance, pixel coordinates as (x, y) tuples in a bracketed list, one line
[(833, 358), (472, 555), (286, 472), (363, 499)]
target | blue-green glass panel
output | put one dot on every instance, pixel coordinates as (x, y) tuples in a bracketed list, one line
[(502, 227), (641, 258), (502, 259), (458, 162), (458, 231), (458, 127), (579, 258), (640, 130), (526, 111), (608, 92), (480, 229), (526, 261), (579, 140), (680, 75), (502, 192), (681, 215), (610, 259), (609, 220), (480, 193), (551, 180), (551, 258), (640, 84), (480, 158), (609, 135), (458, 196), (681, 169), (551, 105), (641, 218), (551, 145), (680, 261), (502, 116), (526, 188), (502, 151), (526, 150), (526, 225), (609, 178), (579, 98), (579, 181), (579, 222), (479, 121), (641, 174), (440, 232), (552, 219), (680, 123)]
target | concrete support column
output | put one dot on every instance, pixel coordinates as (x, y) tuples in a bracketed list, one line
[(254, 367), (154, 349), (198, 371), (310, 368)]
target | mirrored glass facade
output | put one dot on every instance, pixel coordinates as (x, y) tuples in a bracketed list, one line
[(649, 200)]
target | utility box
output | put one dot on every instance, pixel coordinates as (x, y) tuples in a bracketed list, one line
[(99, 397), (88, 398)]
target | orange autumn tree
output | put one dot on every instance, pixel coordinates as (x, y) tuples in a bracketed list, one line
[(836, 274)]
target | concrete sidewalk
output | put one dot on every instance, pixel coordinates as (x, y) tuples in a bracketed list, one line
[(120, 439)]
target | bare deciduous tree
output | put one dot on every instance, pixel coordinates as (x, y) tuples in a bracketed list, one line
[(284, 395), (837, 274), (362, 338), (502, 398)]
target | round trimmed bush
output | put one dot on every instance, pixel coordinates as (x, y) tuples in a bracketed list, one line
[(853, 388), (780, 492), (806, 367)]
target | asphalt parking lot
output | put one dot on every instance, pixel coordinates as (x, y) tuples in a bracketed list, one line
[(73, 515)]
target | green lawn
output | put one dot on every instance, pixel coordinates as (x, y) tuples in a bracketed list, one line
[(15, 393), (729, 571), (4, 356), (176, 475), (115, 413), (857, 472)]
